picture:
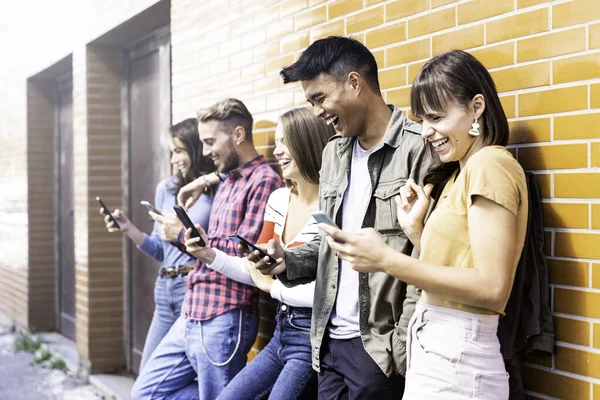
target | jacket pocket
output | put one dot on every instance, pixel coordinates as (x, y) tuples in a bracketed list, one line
[(386, 214), (398, 353), (329, 196)]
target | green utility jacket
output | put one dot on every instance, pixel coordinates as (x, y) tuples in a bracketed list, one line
[(385, 303)]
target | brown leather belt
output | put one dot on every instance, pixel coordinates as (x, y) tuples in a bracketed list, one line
[(174, 271)]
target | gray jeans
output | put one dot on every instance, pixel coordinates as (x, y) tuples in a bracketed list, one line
[(454, 354)]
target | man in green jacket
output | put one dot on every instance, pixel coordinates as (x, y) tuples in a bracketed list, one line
[(359, 320)]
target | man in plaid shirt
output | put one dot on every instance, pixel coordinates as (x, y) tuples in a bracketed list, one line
[(219, 323)]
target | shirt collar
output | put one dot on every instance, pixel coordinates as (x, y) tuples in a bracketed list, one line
[(245, 170)]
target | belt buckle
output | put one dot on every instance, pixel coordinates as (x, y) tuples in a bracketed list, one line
[(185, 269)]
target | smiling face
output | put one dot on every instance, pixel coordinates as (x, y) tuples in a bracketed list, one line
[(336, 103), (218, 145), (180, 159), (289, 168), (447, 131)]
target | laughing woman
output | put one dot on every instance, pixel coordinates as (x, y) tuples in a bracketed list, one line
[(170, 286), (471, 243), (283, 369)]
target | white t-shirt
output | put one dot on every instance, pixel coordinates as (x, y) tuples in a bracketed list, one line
[(344, 319)]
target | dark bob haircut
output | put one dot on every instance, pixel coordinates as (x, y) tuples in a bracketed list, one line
[(457, 76), (336, 56)]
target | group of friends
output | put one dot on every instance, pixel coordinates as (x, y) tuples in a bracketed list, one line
[(398, 298)]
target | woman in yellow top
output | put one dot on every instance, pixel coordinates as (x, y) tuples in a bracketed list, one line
[(471, 243)]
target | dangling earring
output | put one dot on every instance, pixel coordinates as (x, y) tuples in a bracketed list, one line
[(474, 131)]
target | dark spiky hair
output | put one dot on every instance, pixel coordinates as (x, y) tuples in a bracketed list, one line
[(336, 56)]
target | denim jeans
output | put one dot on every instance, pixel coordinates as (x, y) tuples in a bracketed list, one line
[(213, 350), (454, 354), (168, 296), (284, 367)]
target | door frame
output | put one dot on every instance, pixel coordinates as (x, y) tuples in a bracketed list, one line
[(61, 84), (147, 44)]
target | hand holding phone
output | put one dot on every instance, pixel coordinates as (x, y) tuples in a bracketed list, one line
[(323, 218), (251, 246), (187, 222), (150, 207), (107, 212)]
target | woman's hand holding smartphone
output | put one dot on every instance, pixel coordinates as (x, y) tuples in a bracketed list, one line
[(251, 247), (116, 221)]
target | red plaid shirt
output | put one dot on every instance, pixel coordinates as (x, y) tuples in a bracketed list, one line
[(238, 207)]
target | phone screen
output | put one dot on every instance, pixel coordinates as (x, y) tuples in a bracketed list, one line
[(107, 212), (251, 247), (321, 217), (150, 207), (187, 222)]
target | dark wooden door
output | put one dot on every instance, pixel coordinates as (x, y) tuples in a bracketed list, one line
[(66, 207), (149, 119)]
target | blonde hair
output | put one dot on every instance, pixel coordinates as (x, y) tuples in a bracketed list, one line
[(230, 113)]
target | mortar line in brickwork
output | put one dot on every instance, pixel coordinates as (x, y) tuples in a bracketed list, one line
[(595, 232), (545, 88), (587, 36), (572, 259), (587, 349), (540, 395), (578, 289), (561, 142)]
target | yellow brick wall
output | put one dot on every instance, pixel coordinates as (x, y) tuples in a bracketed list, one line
[(545, 58)]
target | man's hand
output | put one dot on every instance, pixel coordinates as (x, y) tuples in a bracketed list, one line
[(205, 254), (274, 249), (121, 217), (363, 249), (169, 226), (188, 194), (263, 282)]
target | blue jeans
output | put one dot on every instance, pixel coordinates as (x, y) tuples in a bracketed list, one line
[(213, 350), (168, 296), (284, 367)]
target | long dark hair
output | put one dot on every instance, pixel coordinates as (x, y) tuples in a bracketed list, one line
[(457, 76), (187, 132)]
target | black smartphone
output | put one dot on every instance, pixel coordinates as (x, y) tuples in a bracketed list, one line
[(240, 240), (150, 207), (187, 222), (321, 217), (107, 212)]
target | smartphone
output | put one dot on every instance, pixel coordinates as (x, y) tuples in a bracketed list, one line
[(107, 212), (150, 207), (187, 222), (252, 247), (321, 217)]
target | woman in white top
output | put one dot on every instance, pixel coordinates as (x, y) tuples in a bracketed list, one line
[(283, 369)]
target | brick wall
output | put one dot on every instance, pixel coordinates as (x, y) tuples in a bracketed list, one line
[(35, 36), (545, 58), (99, 270)]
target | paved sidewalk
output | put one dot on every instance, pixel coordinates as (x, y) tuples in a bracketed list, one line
[(21, 379)]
